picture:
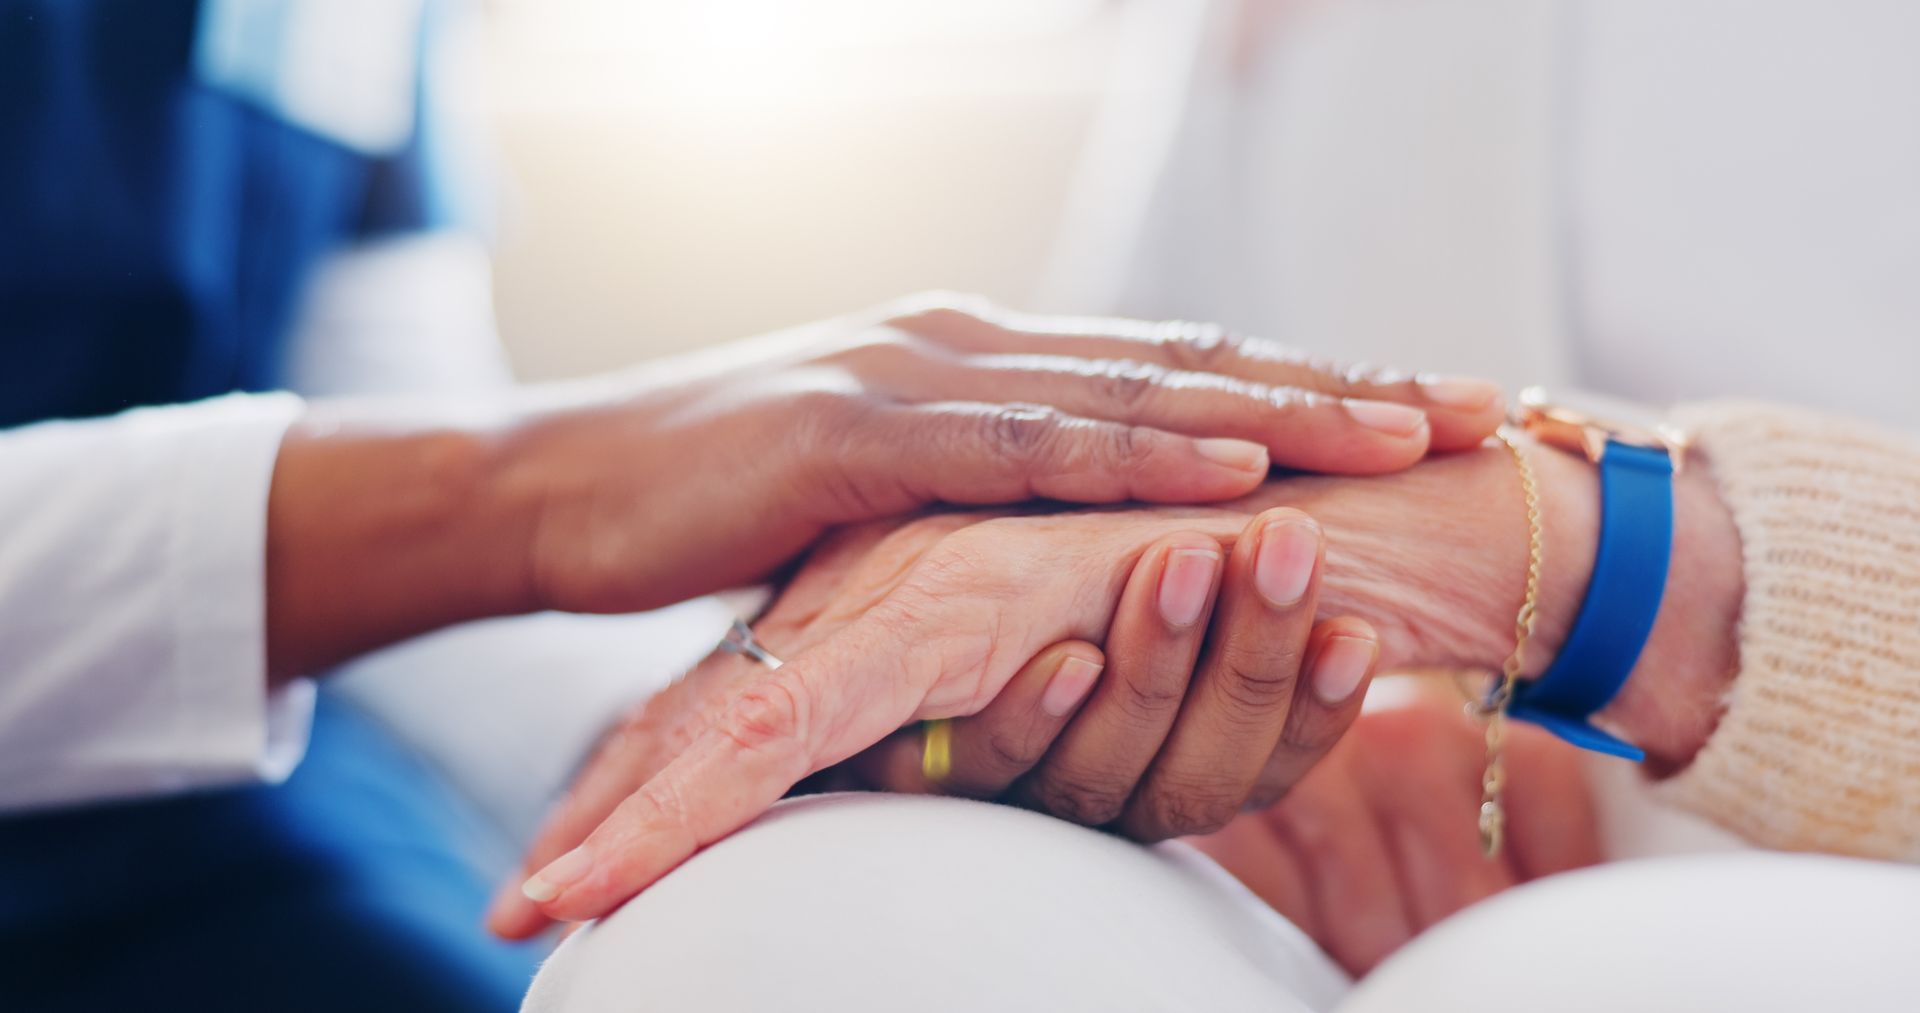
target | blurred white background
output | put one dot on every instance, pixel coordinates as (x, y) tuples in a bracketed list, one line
[(682, 171)]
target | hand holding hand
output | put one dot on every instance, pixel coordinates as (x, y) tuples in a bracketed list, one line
[(948, 609), (1217, 695), (932, 621), (630, 491), (732, 462)]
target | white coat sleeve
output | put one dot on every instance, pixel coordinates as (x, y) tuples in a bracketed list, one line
[(132, 605)]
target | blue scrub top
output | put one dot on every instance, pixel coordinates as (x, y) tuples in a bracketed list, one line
[(156, 228)]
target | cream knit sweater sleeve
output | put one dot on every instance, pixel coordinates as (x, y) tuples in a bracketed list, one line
[(1819, 748)]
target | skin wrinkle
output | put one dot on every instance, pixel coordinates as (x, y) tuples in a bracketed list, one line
[(1395, 570), (1428, 614), (1426, 609), (1090, 543), (714, 418)]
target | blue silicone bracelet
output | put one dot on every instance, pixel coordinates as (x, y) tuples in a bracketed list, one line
[(1623, 596)]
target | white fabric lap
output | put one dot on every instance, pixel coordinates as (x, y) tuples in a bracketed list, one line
[(859, 902), (1752, 933), (880, 902)]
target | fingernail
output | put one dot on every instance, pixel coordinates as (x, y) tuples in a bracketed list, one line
[(546, 884), (1463, 392), (1186, 583), (1284, 565), (1069, 686), (1240, 455), (1342, 663), (1385, 416)]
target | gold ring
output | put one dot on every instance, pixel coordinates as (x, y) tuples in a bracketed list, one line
[(936, 751)]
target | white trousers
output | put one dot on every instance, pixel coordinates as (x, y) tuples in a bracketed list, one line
[(868, 902)]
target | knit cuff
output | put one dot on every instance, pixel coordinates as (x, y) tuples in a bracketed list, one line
[(1819, 748)]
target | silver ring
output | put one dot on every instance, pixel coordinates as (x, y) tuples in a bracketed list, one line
[(740, 640)]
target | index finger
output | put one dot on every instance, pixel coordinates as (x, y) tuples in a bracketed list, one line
[(809, 714), (512, 914), (1462, 411), (618, 767)]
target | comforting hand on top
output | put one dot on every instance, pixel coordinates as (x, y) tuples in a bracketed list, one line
[(947, 611)]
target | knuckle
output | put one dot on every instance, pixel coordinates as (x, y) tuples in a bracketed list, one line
[(1182, 810), (661, 800), (1287, 403), (765, 716), (1292, 405), (1149, 700), (1021, 432), (1204, 348), (1317, 373), (1129, 386), (1372, 379), (1082, 802), (1252, 693), (1328, 377), (1126, 448), (1006, 752), (658, 804)]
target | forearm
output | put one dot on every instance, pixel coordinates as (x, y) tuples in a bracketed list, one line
[(379, 529), (1675, 697), (1435, 558)]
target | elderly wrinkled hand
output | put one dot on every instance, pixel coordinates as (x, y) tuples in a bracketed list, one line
[(1215, 689), (634, 490), (735, 461), (929, 620), (881, 627), (943, 613)]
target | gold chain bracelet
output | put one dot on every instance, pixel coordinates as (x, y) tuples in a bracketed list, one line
[(1493, 708)]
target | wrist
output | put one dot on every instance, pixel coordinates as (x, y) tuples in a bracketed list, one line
[(1438, 565), (1669, 703), (1673, 700), (381, 530), (1570, 528)]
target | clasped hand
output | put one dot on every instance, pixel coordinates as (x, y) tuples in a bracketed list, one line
[(1155, 671), (733, 462)]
